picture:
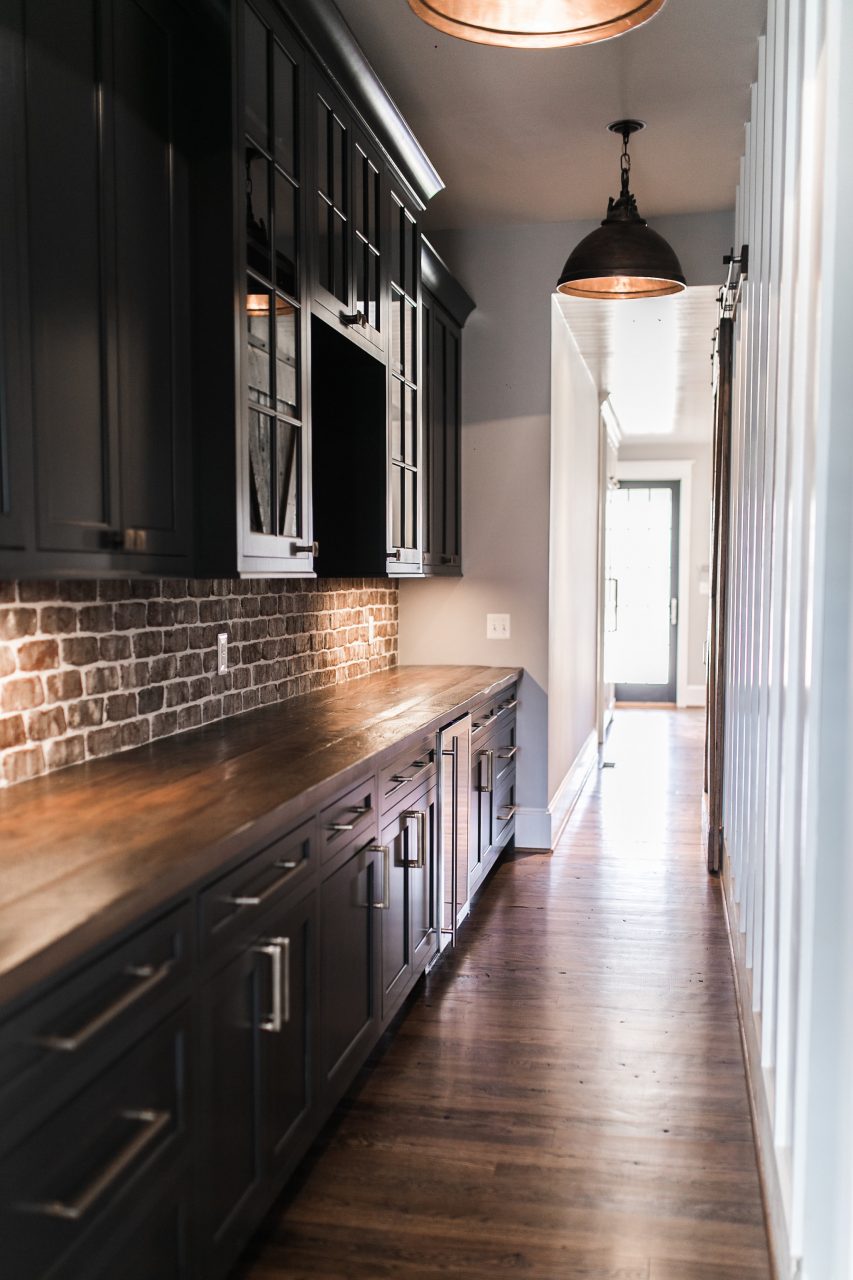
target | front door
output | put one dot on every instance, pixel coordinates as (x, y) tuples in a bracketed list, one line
[(641, 644)]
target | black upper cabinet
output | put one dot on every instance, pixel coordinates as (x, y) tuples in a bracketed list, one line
[(102, 229), (251, 269), (16, 531), (445, 308)]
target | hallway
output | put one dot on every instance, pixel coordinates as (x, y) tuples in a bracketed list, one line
[(566, 1098)]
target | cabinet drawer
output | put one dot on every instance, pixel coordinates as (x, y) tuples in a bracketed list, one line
[(411, 769), (505, 746), (347, 816), (233, 903), (505, 811), (56, 1043), (485, 717), (91, 1160)]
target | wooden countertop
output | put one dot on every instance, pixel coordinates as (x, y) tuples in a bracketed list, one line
[(88, 850)]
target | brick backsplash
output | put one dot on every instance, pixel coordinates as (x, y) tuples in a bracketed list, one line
[(90, 668)]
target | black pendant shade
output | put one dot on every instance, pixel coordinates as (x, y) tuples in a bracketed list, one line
[(624, 257)]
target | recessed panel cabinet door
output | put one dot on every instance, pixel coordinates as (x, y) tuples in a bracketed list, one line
[(15, 451), (351, 899), (288, 1051), (409, 922), (152, 288), (231, 1167), (108, 283), (76, 439)]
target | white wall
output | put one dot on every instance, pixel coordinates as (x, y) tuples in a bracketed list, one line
[(574, 572), (788, 822), (699, 551)]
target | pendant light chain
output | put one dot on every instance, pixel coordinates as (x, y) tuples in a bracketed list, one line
[(625, 165)]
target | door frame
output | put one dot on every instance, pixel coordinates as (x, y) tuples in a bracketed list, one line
[(674, 469)]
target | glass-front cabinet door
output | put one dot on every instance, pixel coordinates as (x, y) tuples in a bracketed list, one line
[(347, 189), (276, 507), (405, 496)]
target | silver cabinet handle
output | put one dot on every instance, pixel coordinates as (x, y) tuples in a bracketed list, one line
[(258, 900), (385, 850), (283, 966), (508, 812), (489, 757), (361, 809), (313, 548), (420, 817), (153, 1122), (273, 950), (147, 979), (402, 778), (509, 753), (350, 318), (506, 706), (340, 826)]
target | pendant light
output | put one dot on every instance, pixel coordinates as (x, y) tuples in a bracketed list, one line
[(535, 24), (623, 258)]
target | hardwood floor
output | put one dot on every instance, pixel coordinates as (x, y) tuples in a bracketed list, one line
[(566, 1098)]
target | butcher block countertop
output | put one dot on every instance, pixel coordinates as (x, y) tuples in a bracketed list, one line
[(87, 851)]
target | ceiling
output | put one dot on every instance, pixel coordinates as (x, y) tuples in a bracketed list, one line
[(519, 135), (653, 357)]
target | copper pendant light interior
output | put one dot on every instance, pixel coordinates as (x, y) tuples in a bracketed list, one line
[(535, 24), (623, 258)]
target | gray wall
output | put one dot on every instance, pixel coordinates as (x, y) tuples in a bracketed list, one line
[(510, 271)]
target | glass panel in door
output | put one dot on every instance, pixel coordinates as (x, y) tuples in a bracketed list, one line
[(642, 573)]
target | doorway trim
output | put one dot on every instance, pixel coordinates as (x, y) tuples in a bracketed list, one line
[(675, 469)]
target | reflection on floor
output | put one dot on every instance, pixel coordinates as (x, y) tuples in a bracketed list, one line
[(566, 1099)]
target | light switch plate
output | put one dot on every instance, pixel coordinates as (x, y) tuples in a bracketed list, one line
[(497, 626), (222, 652)]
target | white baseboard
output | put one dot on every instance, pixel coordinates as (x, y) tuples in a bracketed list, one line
[(772, 1194), (693, 695), (569, 790)]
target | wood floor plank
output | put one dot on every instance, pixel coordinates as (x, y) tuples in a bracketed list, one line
[(565, 1099)]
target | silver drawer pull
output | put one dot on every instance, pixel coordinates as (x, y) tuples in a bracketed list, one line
[(505, 814), (258, 899), (385, 850), (489, 757), (340, 826), (147, 979), (153, 1122), (361, 809), (509, 753), (419, 816), (278, 950), (402, 777), (506, 706)]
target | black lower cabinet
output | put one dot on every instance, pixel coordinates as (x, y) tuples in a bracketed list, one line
[(351, 899), (409, 919), (155, 1099), (256, 1089), (70, 1190)]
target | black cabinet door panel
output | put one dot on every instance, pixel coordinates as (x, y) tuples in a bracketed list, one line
[(288, 1058), (77, 499), (348, 966), (152, 285), (231, 1141), (15, 443)]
